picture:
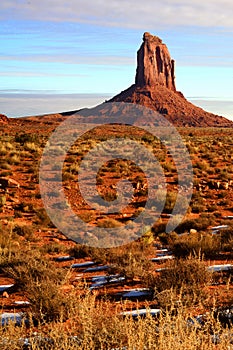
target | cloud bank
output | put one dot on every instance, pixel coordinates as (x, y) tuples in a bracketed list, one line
[(28, 104), (130, 13)]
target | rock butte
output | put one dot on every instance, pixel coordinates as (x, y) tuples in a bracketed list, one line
[(155, 88), (154, 64)]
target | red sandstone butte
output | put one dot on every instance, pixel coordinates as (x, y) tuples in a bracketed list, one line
[(155, 88)]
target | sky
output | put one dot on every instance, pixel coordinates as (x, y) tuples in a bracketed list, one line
[(58, 55)]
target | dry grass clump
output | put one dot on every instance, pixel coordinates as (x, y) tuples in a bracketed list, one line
[(200, 224), (196, 244), (227, 239), (9, 246), (96, 325), (130, 260), (183, 279), (41, 282), (79, 251), (25, 231)]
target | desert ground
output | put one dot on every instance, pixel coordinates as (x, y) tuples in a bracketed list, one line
[(176, 287)]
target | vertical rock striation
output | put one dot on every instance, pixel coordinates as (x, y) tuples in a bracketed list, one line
[(154, 64), (155, 88)]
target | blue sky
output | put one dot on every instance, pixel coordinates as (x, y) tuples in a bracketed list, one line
[(61, 55)]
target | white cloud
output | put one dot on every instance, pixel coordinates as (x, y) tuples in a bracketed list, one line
[(129, 13), (223, 108), (15, 104), (26, 104), (71, 59)]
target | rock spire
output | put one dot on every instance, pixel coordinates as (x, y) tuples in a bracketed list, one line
[(154, 64)]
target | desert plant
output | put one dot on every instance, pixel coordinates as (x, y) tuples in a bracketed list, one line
[(200, 224), (196, 244), (24, 138), (185, 277), (9, 246), (31, 147), (38, 278), (79, 251), (24, 231), (2, 201), (43, 218)]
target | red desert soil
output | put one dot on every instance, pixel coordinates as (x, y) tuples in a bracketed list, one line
[(154, 88)]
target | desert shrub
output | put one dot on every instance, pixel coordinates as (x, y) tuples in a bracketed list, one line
[(97, 324), (159, 227), (170, 200), (196, 244), (199, 224), (31, 147), (13, 159), (2, 201), (5, 166), (227, 239), (9, 246), (197, 203), (52, 248), (147, 236), (129, 260), (186, 277), (41, 282), (24, 207), (197, 207), (132, 265), (24, 138), (79, 251), (66, 176), (24, 231), (109, 223), (202, 165), (3, 150), (224, 175), (74, 168), (43, 218), (211, 208), (168, 238), (18, 214)]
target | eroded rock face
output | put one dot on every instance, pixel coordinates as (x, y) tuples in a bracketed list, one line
[(154, 64), (155, 88)]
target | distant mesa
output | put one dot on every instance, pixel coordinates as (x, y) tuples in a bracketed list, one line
[(155, 88), (3, 119)]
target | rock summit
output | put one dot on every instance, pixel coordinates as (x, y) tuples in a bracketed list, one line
[(155, 88)]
